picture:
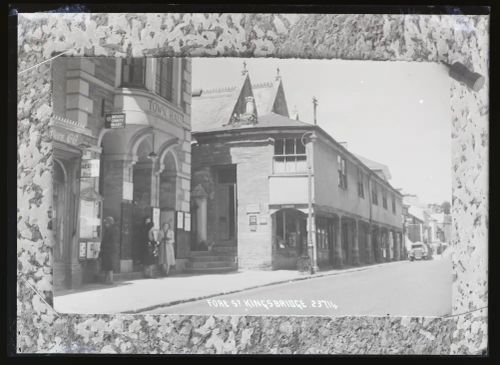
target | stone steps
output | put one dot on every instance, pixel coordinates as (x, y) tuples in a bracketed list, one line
[(212, 253), (225, 258), (122, 276), (210, 264), (210, 270)]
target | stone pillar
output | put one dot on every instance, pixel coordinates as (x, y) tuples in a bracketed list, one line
[(355, 245), (380, 245), (397, 247), (369, 247), (338, 259), (199, 195), (390, 245)]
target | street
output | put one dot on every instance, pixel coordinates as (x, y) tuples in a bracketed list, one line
[(419, 288)]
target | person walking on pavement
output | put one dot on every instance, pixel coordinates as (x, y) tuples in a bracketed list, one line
[(108, 249), (167, 254)]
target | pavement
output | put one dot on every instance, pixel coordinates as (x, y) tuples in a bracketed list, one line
[(404, 288), (150, 294)]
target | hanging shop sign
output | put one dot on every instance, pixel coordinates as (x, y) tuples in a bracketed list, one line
[(114, 120), (90, 168)]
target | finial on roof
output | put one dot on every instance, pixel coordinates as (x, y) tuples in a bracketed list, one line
[(315, 105), (278, 77), (244, 71), (295, 114)]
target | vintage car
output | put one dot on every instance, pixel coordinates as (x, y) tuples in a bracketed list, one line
[(418, 251)]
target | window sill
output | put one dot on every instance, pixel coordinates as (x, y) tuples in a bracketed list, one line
[(284, 174)]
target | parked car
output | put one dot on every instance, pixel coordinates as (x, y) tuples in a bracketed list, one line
[(418, 251)]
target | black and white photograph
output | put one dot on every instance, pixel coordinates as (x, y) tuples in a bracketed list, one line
[(251, 186), (275, 181)]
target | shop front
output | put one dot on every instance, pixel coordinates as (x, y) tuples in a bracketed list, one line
[(289, 237), (76, 212)]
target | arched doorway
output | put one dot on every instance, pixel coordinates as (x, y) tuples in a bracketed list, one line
[(289, 237), (58, 225), (143, 180)]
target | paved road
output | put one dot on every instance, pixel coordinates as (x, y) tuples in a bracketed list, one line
[(420, 288)]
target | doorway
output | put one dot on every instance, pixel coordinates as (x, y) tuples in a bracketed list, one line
[(226, 205)]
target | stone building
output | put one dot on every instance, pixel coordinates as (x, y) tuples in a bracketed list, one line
[(252, 194), (130, 171)]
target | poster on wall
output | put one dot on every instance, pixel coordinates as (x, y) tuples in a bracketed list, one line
[(187, 221), (180, 220), (82, 251), (90, 168), (93, 249), (128, 190)]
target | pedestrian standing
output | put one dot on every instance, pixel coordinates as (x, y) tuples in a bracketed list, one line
[(167, 253), (152, 250), (108, 249)]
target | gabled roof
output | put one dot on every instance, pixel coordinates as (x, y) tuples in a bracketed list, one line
[(214, 108), (375, 166), (264, 94), (270, 97)]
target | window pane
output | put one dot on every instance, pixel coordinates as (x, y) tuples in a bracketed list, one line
[(279, 164), (290, 164), (278, 146), (301, 163), (301, 149), (289, 146)]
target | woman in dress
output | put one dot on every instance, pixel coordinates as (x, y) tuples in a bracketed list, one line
[(167, 255), (151, 249)]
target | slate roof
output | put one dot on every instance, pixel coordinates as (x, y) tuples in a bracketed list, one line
[(265, 94), (213, 108), (373, 165), (277, 120)]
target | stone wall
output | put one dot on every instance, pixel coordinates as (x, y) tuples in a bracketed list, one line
[(428, 38)]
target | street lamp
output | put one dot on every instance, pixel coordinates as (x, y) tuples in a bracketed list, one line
[(310, 241)]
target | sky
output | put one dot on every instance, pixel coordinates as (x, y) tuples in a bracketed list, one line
[(396, 113)]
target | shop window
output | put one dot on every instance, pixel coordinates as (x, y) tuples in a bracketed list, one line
[(289, 155), (289, 229), (90, 219), (164, 78), (374, 195), (361, 188), (342, 170), (134, 72), (384, 199)]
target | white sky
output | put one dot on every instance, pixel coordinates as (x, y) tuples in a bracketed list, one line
[(396, 113)]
